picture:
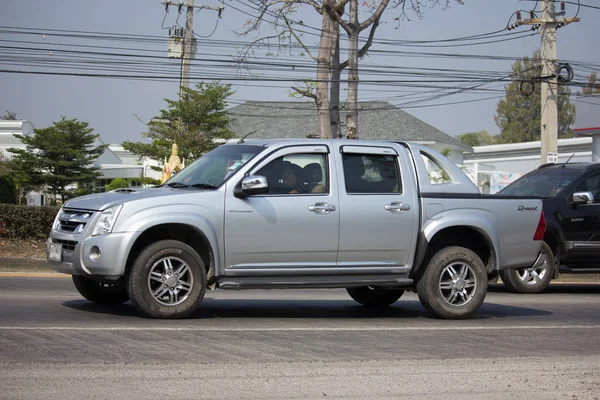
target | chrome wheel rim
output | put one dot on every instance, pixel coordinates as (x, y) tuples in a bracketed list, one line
[(534, 276), (170, 281), (457, 284)]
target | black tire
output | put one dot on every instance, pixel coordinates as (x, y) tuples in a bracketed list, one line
[(375, 297), (530, 280), (453, 295), (108, 294), (162, 273)]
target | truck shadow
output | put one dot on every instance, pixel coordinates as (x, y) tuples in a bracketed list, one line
[(575, 288), (309, 309)]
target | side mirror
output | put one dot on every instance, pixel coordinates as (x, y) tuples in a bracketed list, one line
[(582, 198), (252, 185)]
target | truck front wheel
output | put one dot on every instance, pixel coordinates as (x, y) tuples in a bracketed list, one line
[(454, 283), (167, 280), (108, 294), (375, 296), (531, 280)]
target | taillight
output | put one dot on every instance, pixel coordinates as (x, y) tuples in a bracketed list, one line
[(541, 228)]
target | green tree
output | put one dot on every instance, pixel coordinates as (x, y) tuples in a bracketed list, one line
[(57, 156), (592, 87), (519, 114), (24, 175), (9, 116), (480, 138), (193, 122), (117, 183), (8, 190)]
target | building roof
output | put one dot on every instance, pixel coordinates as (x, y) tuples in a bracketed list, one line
[(378, 120)]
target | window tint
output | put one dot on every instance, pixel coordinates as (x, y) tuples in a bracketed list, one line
[(591, 184), (297, 173), (437, 175), (546, 182), (370, 173)]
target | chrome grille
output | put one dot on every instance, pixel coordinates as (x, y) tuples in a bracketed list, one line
[(75, 221), (66, 244)]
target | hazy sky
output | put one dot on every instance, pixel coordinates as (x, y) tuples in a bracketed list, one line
[(112, 106)]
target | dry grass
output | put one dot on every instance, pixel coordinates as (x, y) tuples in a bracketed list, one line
[(22, 248)]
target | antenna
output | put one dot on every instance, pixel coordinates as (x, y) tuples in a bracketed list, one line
[(242, 139), (565, 163)]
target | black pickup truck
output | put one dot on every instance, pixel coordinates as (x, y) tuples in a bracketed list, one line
[(571, 198)]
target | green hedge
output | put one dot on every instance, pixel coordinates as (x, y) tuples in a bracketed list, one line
[(24, 222)]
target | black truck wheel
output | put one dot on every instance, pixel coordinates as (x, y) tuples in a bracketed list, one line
[(453, 284), (375, 296), (100, 292), (167, 280), (531, 280)]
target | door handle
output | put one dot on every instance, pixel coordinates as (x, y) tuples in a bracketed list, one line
[(321, 208), (397, 207)]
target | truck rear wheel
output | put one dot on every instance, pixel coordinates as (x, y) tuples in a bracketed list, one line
[(454, 283), (108, 294), (167, 280), (370, 296), (531, 280)]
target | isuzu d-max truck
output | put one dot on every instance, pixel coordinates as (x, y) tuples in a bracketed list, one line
[(375, 218)]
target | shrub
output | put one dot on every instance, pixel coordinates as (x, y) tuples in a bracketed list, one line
[(22, 222), (117, 183)]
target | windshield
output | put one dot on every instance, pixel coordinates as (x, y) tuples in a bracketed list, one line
[(542, 183), (214, 168)]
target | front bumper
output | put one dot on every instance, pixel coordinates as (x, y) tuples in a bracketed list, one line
[(102, 256)]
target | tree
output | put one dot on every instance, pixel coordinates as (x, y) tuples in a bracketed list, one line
[(192, 122), (591, 87), (328, 66), (519, 114), (57, 156), (480, 138), (117, 183), (9, 116)]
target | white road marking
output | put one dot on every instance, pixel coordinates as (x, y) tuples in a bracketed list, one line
[(290, 329)]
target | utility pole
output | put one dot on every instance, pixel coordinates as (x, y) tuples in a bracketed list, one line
[(549, 86), (186, 55)]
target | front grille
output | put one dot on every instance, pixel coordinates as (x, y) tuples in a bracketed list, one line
[(66, 244), (74, 220)]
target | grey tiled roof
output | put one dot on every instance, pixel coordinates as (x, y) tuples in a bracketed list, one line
[(378, 120)]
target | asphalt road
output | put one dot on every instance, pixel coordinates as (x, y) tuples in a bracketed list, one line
[(297, 344)]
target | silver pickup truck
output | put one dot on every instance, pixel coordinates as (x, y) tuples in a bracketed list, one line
[(376, 218)]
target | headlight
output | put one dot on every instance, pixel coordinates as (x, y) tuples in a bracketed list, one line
[(56, 224), (107, 220)]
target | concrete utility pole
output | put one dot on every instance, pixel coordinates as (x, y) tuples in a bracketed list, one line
[(549, 87), (186, 56)]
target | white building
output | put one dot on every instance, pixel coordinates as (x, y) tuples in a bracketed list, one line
[(496, 166), (7, 131)]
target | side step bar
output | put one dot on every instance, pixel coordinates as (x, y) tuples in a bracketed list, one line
[(310, 283)]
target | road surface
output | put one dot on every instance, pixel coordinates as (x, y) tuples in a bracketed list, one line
[(296, 344)]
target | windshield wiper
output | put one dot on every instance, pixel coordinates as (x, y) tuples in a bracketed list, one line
[(203, 186), (177, 185)]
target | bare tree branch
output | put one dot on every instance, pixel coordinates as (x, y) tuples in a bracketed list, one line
[(293, 33), (363, 51), (337, 18), (376, 15), (306, 92)]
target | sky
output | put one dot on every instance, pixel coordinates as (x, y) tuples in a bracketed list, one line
[(115, 108)]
